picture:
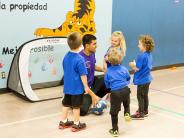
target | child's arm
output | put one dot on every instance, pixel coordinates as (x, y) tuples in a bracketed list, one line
[(88, 90), (105, 63), (98, 68)]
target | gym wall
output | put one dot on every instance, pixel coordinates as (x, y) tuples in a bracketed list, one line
[(162, 19)]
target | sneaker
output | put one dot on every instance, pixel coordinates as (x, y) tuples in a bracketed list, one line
[(78, 127), (114, 133), (63, 125), (138, 116), (145, 113), (127, 117)]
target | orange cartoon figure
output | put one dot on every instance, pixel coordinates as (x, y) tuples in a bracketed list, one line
[(80, 20)]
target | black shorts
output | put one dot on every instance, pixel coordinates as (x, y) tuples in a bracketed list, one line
[(73, 101)]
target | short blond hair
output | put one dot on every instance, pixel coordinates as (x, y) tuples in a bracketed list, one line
[(121, 37), (148, 42), (74, 40), (115, 56)]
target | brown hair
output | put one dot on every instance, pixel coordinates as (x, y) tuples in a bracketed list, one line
[(74, 40), (115, 56), (148, 42)]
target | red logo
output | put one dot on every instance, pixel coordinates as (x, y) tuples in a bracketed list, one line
[(1, 64)]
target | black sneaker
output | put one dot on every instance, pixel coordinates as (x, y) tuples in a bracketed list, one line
[(137, 115), (78, 127), (114, 133), (63, 125)]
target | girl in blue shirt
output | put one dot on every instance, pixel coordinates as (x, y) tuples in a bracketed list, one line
[(142, 76)]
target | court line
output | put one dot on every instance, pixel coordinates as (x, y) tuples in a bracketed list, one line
[(133, 99), (31, 119), (56, 114), (162, 109), (181, 86), (166, 92), (164, 115)]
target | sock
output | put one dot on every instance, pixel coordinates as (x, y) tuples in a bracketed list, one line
[(76, 123), (64, 121)]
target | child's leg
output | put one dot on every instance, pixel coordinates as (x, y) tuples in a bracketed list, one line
[(146, 99), (65, 123), (115, 99), (125, 94), (77, 101), (66, 105), (65, 113), (140, 98), (76, 114), (126, 100), (77, 126), (114, 110), (114, 120)]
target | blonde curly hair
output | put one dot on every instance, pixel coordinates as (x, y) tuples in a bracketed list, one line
[(115, 56)]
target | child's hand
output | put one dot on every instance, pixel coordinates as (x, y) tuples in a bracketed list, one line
[(87, 90), (132, 64), (106, 58), (95, 99), (104, 69)]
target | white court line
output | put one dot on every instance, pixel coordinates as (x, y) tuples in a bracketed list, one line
[(164, 115), (31, 119), (173, 88), (56, 114)]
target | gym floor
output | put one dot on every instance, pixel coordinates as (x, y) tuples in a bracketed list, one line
[(21, 119)]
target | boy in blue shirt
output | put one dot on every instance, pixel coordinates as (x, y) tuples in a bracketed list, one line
[(75, 83), (142, 75), (117, 78)]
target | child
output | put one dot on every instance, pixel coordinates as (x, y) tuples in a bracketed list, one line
[(75, 83), (117, 41), (117, 79), (142, 75)]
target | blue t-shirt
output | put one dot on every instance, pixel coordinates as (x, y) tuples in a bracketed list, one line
[(74, 67), (90, 65), (117, 77), (144, 64)]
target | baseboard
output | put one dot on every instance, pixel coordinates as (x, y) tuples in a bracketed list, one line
[(168, 66)]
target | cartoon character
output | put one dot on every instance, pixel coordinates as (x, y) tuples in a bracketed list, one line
[(80, 20)]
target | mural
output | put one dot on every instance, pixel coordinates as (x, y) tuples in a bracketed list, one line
[(80, 20), (46, 19)]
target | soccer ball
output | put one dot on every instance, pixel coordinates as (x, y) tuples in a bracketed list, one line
[(99, 108)]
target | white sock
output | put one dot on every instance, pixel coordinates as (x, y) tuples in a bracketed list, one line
[(76, 123), (64, 121)]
